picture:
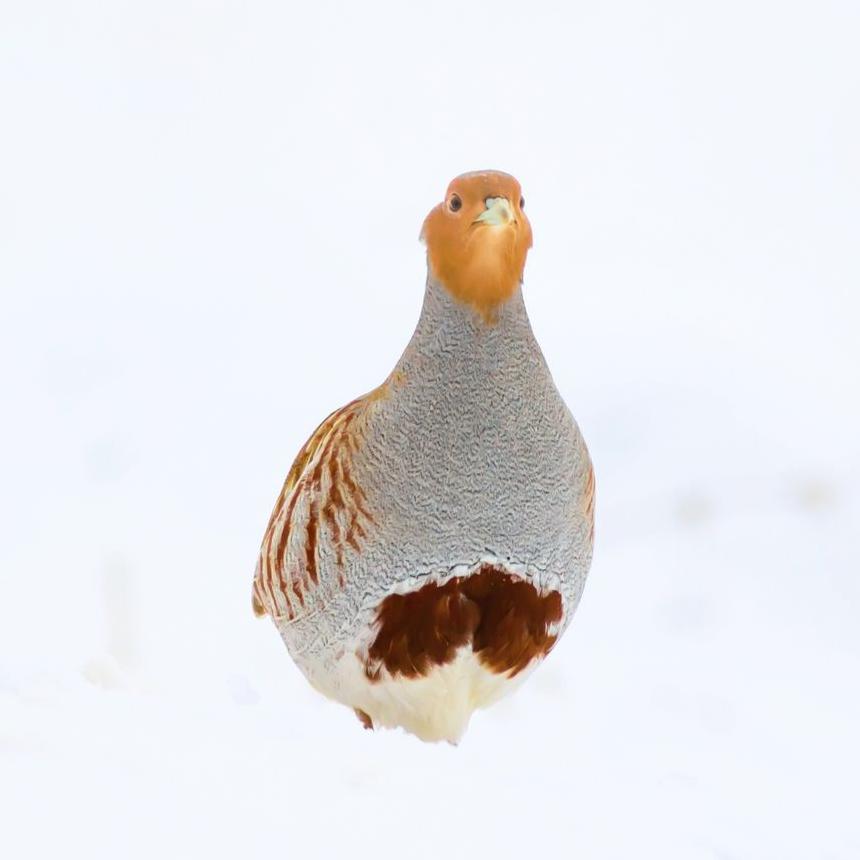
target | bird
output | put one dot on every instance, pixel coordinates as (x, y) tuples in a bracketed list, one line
[(433, 537)]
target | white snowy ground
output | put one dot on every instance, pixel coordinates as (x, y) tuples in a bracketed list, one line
[(208, 225)]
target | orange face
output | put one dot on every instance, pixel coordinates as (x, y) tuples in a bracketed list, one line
[(478, 237)]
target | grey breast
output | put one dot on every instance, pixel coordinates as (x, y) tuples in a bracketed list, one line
[(471, 455)]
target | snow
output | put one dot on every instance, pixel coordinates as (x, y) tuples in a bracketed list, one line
[(208, 241)]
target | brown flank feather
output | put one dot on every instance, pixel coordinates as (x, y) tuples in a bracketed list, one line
[(321, 474)]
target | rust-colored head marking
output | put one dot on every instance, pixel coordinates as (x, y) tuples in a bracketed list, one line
[(478, 237)]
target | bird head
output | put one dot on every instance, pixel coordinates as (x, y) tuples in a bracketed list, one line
[(477, 239)]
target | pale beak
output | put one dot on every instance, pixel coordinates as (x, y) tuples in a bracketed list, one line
[(498, 212)]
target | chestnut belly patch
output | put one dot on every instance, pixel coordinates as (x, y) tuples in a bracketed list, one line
[(503, 617)]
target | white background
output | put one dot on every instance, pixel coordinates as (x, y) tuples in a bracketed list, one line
[(208, 240)]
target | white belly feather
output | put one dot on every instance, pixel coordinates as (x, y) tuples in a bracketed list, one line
[(437, 707)]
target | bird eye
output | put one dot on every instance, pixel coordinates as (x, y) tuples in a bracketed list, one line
[(522, 202), (455, 203)]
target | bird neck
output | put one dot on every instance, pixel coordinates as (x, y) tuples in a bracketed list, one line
[(453, 338)]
